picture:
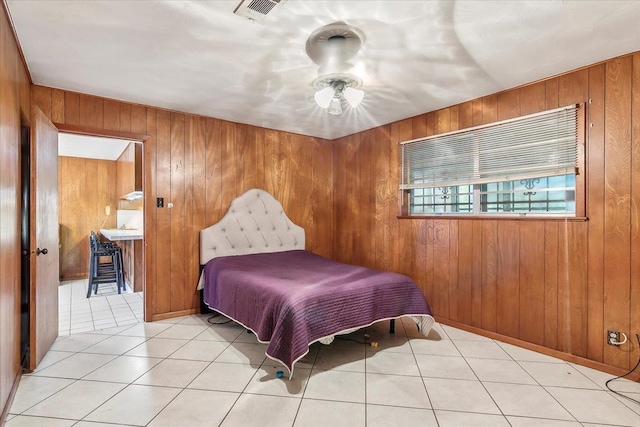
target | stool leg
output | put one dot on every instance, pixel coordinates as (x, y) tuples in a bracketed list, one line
[(91, 267)]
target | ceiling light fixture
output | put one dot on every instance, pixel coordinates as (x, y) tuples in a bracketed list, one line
[(331, 47)]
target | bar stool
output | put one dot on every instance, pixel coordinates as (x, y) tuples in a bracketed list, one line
[(108, 271)]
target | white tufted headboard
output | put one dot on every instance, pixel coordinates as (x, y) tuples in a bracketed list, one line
[(254, 223)]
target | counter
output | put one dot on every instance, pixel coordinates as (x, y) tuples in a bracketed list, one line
[(114, 234)]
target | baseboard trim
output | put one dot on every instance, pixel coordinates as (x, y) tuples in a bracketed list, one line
[(12, 394), (541, 349)]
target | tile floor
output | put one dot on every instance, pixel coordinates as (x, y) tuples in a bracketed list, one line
[(185, 372), (107, 309)]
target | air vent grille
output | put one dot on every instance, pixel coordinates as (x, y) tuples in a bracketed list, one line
[(257, 10)]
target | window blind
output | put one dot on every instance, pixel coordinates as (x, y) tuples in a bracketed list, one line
[(537, 145)]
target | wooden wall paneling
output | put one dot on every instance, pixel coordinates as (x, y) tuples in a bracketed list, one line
[(441, 269), (42, 98), (397, 197), (595, 213), (578, 285), (111, 119), (422, 259), (229, 170), (178, 211), (303, 199), (199, 198), (125, 117), (71, 108), (242, 147), (453, 269), (213, 170), (339, 198), (150, 216), (564, 288), (489, 251), (57, 106), (477, 275), (465, 115), (508, 104), (489, 109), (508, 278), (189, 229), (352, 168), (454, 120), (403, 242), (322, 200), (477, 106), (163, 218), (634, 300), (138, 119), (531, 289), (551, 93), (551, 285), (92, 111), (465, 265), (617, 204), (383, 197), (533, 98)]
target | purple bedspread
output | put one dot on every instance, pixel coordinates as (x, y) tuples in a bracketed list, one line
[(294, 298)]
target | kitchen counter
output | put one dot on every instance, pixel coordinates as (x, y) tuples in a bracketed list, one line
[(114, 234)]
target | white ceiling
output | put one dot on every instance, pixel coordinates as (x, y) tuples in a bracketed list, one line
[(198, 57), (90, 147)]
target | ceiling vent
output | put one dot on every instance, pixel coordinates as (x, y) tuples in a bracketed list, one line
[(257, 10)]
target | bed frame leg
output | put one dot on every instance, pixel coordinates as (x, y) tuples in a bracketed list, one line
[(392, 326)]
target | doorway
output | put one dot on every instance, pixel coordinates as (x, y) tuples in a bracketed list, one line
[(100, 190), (25, 237)]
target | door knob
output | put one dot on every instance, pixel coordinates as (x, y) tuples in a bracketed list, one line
[(43, 251)]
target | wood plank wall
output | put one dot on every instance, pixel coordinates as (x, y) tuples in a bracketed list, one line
[(85, 188), (200, 164), (126, 171), (15, 107), (556, 284)]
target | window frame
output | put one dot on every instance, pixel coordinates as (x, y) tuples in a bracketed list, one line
[(580, 187)]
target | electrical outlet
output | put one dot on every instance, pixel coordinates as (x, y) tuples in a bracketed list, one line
[(613, 337)]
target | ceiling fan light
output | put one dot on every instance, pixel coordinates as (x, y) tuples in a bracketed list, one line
[(324, 96), (335, 107), (353, 96)]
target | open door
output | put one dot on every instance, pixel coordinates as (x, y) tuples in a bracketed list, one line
[(44, 248)]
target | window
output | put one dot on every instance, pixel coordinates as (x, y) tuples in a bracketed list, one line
[(523, 166)]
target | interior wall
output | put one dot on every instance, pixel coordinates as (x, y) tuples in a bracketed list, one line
[(85, 188), (126, 170), (557, 284), (200, 164), (14, 111)]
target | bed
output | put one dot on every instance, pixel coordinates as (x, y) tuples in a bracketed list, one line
[(257, 272)]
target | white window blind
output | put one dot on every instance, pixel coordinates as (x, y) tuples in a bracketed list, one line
[(537, 145)]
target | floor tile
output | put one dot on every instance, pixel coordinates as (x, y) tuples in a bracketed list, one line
[(557, 374), (145, 329), (444, 367), (77, 342), (634, 406), (157, 347), (252, 354), (76, 400), (527, 401), (523, 354), (437, 348), (595, 406), (396, 390), (226, 333), (393, 416), (600, 378), (27, 421), (336, 385), (185, 332), (331, 358), (206, 351), (172, 373), (135, 405), (53, 357), (265, 381), (392, 363), (115, 345), (482, 350), (321, 413), (254, 410), (196, 408), (76, 366), (457, 419), (33, 390), (502, 371), (124, 369), (232, 377), (459, 334), (537, 422), (459, 395)]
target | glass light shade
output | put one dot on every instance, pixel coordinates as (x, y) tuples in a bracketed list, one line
[(323, 97), (335, 107), (353, 96)]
